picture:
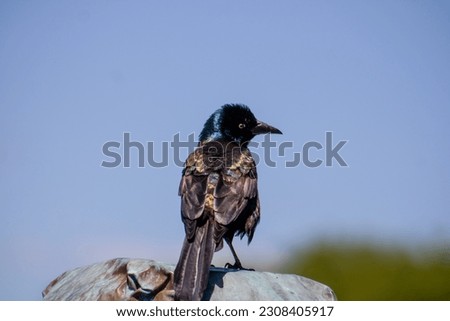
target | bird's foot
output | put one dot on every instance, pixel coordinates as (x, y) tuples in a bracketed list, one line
[(237, 266)]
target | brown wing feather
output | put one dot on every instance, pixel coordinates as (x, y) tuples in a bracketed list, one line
[(235, 197), (192, 190), (232, 196)]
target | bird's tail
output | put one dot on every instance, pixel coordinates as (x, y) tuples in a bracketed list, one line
[(192, 270)]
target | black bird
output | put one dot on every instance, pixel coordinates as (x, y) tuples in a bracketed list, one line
[(219, 195)]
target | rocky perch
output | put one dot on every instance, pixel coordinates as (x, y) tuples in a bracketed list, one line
[(144, 280)]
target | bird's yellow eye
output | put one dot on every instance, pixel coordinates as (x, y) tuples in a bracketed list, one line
[(241, 125)]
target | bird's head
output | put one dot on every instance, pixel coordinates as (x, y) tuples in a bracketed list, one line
[(234, 122)]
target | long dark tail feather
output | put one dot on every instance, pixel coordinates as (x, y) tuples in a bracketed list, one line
[(192, 270)]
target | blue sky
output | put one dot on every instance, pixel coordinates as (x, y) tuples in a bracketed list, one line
[(77, 74)]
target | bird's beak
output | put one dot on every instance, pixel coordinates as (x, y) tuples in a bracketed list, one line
[(263, 128)]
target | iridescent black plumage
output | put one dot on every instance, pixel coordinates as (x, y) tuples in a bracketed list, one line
[(219, 196)]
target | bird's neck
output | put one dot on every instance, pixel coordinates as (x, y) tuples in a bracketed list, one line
[(224, 142)]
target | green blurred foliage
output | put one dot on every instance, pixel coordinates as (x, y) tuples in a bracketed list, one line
[(366, 272)]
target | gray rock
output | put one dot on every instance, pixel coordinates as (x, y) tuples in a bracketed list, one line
[(233, 285), (143, 280)]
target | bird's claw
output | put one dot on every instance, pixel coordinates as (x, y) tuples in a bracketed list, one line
[(230, 266), (237, 266)]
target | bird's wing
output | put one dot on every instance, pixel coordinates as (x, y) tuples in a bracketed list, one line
[(192, 190), (235, 195), (236, 191)]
